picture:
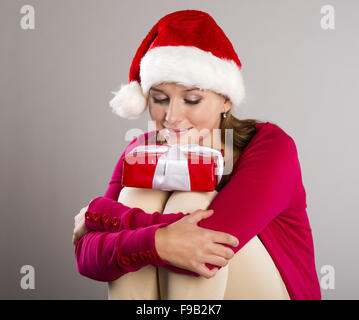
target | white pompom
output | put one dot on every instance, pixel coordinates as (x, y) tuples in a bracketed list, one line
[(129, 102)]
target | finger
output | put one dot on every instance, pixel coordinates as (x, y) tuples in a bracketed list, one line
[(225, 238), (75, 235), (76, 223), (204, 271), (76, 238), (216, 260), (198, 215), (222, 251), (81, 213)]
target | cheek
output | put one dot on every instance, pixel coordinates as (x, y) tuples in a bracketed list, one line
[(204, 117), (157, 113)]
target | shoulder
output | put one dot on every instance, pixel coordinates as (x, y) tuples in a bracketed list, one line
[(272, 136), (269, 130), (270, 147)]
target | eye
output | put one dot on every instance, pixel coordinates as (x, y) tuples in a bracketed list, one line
[(159, 101), (192, 102), (162, 101)]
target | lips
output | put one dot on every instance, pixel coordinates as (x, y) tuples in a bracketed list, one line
[(181, 130), (178, 131)]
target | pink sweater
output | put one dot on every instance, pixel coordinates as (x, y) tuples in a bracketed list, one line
[(265, 196)]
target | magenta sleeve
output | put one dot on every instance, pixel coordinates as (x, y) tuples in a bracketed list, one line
[(105, 256), (260, 189), (116, 216), (115, 186)]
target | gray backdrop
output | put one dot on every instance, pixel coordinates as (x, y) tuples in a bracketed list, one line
[(60, 141)]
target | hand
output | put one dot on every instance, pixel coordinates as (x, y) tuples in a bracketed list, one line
[(188, 246), (79, 226)]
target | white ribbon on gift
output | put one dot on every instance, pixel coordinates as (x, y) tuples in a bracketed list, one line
[(172, 172)]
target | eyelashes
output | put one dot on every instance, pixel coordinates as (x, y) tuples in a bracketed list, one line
[(163, 101)]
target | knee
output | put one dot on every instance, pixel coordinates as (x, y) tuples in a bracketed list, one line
[(189, 201), (195, 195), (150, 200)]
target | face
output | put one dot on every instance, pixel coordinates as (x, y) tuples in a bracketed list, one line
[(193, 111)]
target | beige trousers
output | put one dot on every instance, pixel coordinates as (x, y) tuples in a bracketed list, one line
[(250, 274)]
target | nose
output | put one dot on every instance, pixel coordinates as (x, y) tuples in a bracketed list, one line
[(174, 113)]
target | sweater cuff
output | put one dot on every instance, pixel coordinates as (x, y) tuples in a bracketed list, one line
[(157, 261), (136, 248), (93, 218)]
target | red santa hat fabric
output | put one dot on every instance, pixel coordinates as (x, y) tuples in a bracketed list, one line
[(186, 47)]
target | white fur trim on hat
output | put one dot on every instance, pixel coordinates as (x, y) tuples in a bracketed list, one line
[(191, 66), (129, 102)]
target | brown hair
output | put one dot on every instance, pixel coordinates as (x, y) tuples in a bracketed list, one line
[(243, 132)]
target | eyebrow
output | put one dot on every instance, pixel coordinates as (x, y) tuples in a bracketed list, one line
[(155, 89)]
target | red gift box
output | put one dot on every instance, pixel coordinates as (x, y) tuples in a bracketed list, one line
[(173, 167)]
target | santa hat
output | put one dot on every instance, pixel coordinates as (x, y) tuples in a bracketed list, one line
[(186, 47)]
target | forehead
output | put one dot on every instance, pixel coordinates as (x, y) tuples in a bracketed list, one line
[(169, 86)]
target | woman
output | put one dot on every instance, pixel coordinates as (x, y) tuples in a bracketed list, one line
[(190, 80)]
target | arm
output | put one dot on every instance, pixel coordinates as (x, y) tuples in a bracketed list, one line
[(105, 256), (261, 188), (105, 214)]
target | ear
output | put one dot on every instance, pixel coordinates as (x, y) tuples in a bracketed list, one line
[(227, 105), (147, 99)]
